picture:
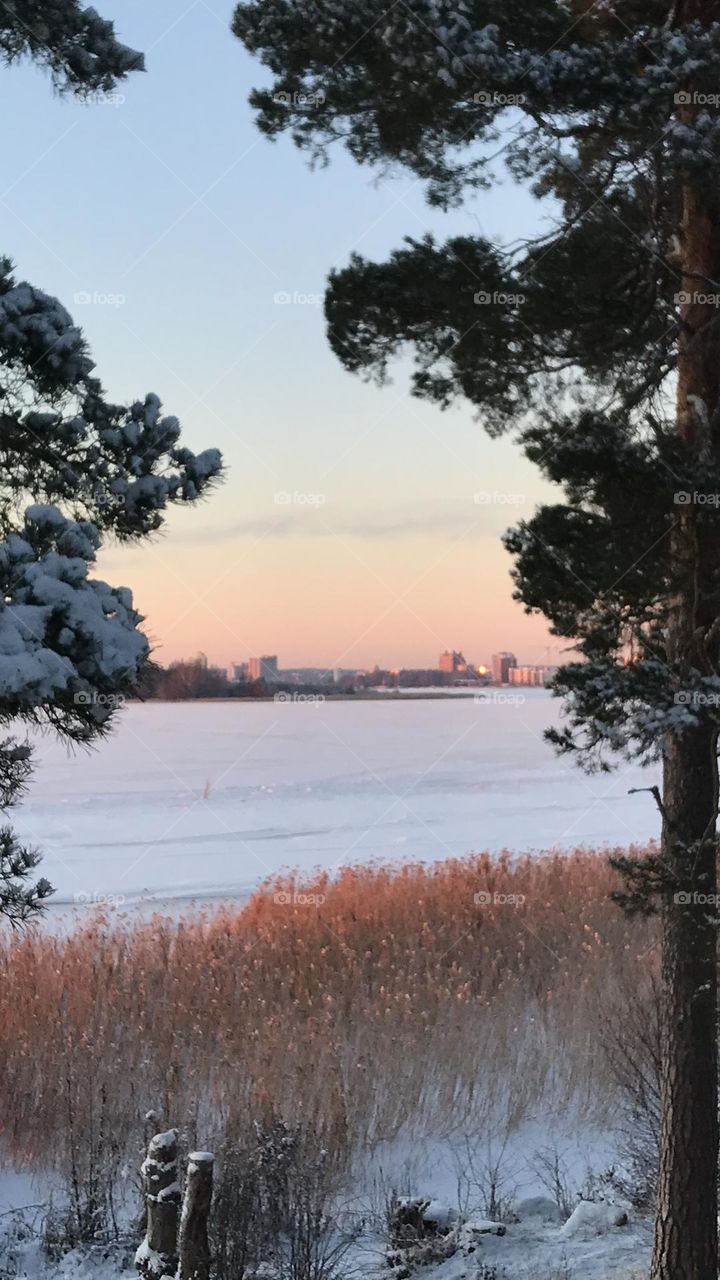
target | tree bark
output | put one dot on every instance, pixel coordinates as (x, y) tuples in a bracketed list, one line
[(686, 1231), (157, 1255), (194, 1248), (686, 1222)]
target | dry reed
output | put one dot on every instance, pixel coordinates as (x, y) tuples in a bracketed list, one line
[(431, 996)]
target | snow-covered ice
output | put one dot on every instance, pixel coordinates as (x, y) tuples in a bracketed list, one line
[(197, 800)]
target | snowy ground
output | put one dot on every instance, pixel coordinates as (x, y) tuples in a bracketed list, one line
[(525, 1253), (530, 1249), (204, 800)]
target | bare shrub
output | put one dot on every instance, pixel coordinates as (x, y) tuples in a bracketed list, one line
[(89, 1163), (632, 1038), (235, 1226), (551, 1168), (19, 1229), (274, 1204), (486, 1180)]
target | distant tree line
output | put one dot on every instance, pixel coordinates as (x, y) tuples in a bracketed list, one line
[(192, 679), (183, 681)]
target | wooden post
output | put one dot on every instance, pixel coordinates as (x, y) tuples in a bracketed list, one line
[(194, 1247), (157, 1255)]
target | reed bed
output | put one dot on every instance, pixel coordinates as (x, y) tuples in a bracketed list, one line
[(431, 997)]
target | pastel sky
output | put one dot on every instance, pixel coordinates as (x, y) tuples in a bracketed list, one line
[(168, 226)]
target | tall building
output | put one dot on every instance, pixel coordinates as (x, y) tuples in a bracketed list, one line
[(452, 663), (537, 677), (265, 668), (502, 665), (238, 672)]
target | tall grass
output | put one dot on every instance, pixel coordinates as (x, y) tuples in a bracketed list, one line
[(432, 996)]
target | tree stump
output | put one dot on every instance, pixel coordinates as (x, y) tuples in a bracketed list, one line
[(194, 1247), (157, 1255)]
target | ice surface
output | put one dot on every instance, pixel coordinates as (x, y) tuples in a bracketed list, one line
[(197, 800)]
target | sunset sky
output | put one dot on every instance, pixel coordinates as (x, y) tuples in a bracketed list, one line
[(181, 225)]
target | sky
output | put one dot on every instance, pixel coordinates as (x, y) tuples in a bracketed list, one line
[(356, 524)]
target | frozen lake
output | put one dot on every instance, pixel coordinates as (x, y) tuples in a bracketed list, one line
[(201, 800)]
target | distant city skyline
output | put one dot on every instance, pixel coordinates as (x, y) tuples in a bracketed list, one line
[(269, 663)]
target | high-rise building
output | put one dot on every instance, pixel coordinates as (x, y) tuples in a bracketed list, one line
[(537, 677), (502, 664), (265, 668), (238, 672), (452, 662)]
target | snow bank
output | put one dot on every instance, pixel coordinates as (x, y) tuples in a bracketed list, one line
[(593, 1219)]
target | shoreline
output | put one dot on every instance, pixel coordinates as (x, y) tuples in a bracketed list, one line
[(411, 695)]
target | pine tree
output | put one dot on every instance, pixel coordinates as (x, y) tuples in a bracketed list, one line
[(73, 467), (598, 344), (74, 43)]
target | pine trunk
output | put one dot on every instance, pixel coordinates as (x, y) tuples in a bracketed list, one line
[(686, 1231), (686, 1224)]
